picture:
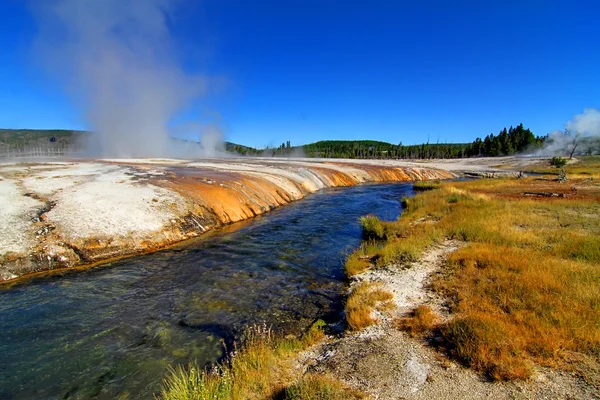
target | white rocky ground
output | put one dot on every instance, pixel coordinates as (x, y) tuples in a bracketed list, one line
[(16, 213)]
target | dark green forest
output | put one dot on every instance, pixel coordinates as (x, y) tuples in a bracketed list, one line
[(506, 142)]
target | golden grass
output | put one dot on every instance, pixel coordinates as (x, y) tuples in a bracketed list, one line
[(421, 320), (320, 387), (364, 299), (525, 289), (361, 259), (581, 168), (261, 368), (356, 263), (544, 304)]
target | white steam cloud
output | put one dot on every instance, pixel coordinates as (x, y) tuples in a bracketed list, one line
[(581, 136), (118, 59), (587, 124)]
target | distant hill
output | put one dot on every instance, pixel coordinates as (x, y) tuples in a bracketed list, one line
[(375, 149), (32, 142), (39, 137), (370, 149), (58, 142), (507, 142)]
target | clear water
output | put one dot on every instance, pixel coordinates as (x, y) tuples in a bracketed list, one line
[(113, 331)]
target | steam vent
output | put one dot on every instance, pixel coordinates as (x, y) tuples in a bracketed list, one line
[(66, 214)]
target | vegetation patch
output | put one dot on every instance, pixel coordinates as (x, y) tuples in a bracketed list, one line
[(362, 258), (260, 368), (363, 301), (585, 167), (422, 186), (558, 162), (372, 227), (420, 321), (320, 387)]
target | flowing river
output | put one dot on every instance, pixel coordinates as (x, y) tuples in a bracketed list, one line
[(111, 332)]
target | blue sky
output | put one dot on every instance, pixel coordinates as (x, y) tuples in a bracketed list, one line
[(398, 71)]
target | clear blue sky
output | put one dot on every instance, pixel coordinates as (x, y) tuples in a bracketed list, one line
[(308, 70)]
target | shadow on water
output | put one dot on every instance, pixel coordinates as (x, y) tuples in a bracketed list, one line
[(113, 331)]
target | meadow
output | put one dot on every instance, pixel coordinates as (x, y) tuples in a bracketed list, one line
[(523, 290)]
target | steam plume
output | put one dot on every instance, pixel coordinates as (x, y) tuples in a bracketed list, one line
[(581, 136), (587, 123), (118, 59)]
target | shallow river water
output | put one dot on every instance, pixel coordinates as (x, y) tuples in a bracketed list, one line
[(113, 331)]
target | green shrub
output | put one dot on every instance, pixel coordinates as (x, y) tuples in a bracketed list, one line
[(372, 227), (454, 198), (558, 162)]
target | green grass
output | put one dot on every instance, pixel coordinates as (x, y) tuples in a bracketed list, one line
[(426, 185), (262, 367), (372, 227)]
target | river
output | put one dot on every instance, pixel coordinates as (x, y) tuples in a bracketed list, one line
[(112, 331)]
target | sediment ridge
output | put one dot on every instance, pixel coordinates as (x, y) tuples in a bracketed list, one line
[(60, 215)]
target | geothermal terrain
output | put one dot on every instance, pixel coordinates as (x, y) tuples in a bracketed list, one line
[(65, 214)]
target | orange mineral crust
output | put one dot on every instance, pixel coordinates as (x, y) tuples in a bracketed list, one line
[(68, 214)]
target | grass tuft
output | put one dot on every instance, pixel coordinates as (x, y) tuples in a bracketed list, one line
[(421, 320), (320, 387), (372, 227), (361, 259), (364, 299)]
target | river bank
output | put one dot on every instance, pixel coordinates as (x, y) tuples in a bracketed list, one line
[(114, 330), (58, 215), (65, 214), (481, 275), (479, 290)]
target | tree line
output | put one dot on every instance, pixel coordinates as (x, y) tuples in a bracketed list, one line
[(507, 142)]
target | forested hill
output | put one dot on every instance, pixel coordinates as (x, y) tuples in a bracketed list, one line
[(506, 142), (375, 149), (22, 142)]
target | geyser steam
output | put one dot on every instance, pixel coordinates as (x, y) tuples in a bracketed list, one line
[(581, 136), (118, 59)]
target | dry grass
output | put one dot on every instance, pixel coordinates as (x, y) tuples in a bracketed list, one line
[(261, 368), (525, 288), (516, 306), (364, 299), (421, 320), (356, 263), (581, 168), (362, 258), (320, 387)]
